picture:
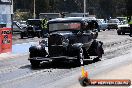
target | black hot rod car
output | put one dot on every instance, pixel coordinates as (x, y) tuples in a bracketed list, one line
[(71, 38)]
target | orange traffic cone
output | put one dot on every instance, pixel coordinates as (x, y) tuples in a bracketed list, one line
[(84, 80), (84, 73)]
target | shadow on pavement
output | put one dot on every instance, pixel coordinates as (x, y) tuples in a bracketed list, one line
[(58, 65), (61, 65)]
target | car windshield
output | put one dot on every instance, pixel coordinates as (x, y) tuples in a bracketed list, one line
[(64, 26)]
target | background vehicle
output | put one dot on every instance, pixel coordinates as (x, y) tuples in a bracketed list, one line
[(102, 24), (122, 19), (69, 39), (113, 24), (17, 26), (33, 28), (123, 28)]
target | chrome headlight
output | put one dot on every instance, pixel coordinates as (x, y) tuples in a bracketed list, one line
[(39, 47), (65, 42)]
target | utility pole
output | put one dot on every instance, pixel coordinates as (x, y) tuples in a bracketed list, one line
[(34, 15), (84, 8)]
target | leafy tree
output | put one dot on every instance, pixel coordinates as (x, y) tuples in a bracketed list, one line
[(100, 8)]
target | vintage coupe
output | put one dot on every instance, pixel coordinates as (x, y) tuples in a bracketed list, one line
[(71, 38)]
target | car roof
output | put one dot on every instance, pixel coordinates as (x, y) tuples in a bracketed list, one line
[(68, 19)]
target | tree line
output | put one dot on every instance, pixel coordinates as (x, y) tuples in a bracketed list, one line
[(100, 8)]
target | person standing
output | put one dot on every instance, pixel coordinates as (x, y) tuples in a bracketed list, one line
[(44, 27)]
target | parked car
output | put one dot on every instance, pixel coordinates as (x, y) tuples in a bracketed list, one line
[(33, 29), (123, 28), (69, 39), (122, 19), (18, 26), (113, 24), (102, 24)]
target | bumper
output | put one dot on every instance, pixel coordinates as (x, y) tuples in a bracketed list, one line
[(53, 58)]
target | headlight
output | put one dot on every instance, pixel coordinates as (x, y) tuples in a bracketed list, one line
[(65, 42), (39, 47)]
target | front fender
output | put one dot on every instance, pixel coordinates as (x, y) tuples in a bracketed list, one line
[(37, 51)]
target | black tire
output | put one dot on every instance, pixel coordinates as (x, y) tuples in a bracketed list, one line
[(108, 28), (98, 29), (35, 63), (96, 49), (38, 34), (119, 32), (21, 35), (103, 29)]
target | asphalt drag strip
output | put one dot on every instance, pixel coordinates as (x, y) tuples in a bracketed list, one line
[(18, 73)]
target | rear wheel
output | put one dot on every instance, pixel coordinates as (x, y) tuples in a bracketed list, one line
[(99, 52), (108, 28), (38, 34), (96, 49), (21, 35), (103, 29), (119, 32)]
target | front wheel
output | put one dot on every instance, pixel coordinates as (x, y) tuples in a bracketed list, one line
[(34, 63), (103, 29)]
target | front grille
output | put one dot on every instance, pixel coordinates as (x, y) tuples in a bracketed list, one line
[(55, 47), (56, 51), (55, 39)]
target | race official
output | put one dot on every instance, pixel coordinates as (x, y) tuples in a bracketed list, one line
[(44, 26)]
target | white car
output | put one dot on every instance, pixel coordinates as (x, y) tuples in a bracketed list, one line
[(113, 24), (102, 24)]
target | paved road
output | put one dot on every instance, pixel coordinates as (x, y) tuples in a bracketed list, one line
[(119, 69), (16, 72)]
